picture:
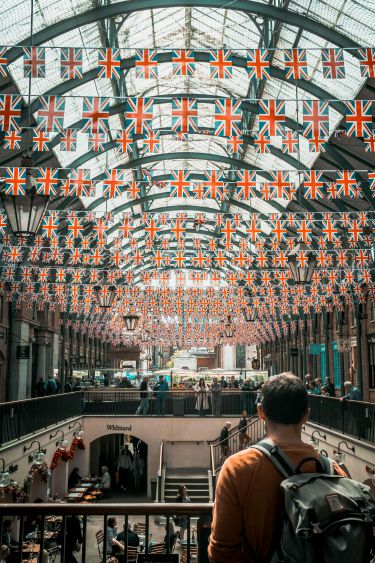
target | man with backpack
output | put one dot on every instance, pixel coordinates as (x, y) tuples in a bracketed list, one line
[(316, 516)]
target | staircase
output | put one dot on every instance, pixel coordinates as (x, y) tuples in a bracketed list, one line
[(194, 479)]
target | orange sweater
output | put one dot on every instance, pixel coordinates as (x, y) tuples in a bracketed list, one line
[(248, 504)]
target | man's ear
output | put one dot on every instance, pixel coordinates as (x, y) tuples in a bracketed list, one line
[(261, 411)]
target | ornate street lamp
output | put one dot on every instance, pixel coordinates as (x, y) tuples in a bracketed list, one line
[(131, 322), (229, 331), (250, 314), (145, 335), (301, 271), (105, 295), (25, 212)]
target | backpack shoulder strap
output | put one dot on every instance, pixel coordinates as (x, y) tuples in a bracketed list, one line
[(327, 465), (276, 455)]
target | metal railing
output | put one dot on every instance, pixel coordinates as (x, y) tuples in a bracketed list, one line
[(20, 418), (159, 484), (225, 448), (352, 418), (176, 402), (60, 514)]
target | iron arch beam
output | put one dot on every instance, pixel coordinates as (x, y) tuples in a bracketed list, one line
[(122, 8)]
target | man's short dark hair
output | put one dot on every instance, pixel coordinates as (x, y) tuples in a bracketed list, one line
[(284, 399)]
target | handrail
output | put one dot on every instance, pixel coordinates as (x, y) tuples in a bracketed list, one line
[(16, 403), (253, 418), (133, 509), (213, 468), (160, 472)]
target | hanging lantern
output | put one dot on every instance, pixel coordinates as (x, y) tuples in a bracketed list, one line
[(229, 331), (105, 295), (302, 271), (145, 336), (25, 212), (250, 314), (131, 322)]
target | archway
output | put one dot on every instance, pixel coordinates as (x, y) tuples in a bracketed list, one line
[(105, 451)]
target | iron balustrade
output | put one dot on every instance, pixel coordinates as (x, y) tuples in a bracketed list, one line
[(176, 402), (20, 418), (55, 510), (352, 418)]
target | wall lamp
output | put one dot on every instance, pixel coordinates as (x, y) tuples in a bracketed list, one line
[(79, 433), (315, 441), (61, 444), (339, 455), (37, 457), (4, 476), (370, 470)]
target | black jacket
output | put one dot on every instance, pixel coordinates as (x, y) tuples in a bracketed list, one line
[(242, 424), (133, 538), (143, 390)]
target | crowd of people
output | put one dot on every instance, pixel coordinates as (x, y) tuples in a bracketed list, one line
[(52, 386), (317, 387)]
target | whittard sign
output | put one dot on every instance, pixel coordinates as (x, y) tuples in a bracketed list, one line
[(117, 428)]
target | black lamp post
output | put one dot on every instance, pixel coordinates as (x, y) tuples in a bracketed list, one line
[(250, 314), (131, 322), (302, 273), (25, 212), (105, 295)]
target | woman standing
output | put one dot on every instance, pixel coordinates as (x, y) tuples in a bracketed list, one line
[(125, 468), (181, 519), (201, 403)]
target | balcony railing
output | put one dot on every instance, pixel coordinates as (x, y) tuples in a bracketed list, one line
[(53, 528)]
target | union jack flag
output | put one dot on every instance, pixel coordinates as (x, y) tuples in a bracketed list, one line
[(152, 142), (258, 63), (359, 118), (333, 65), (50, 116), (184, 115), (313, 184), (34, 62), (15, 181), (371, 180), (246, 184), (235, 145), (3, 62), (109, 61), (68, 140), (95, 114), (295, 64), (96, 142), (10, 112), (317, 144), (221, 64), (47, 181), (347, 184), (271, 117), (279, 232), (71, 63), (79, 183), (228, 117), (40, 141), (214, 187), (75, 225), (367, 62), (50, 225), (12, 139), (146, 63), (369, 143), (289, 142), (180, 184), (262, 143), (124, 141), (138, 115), (280, 184), (113, 184), (183, 62), (315, 119)]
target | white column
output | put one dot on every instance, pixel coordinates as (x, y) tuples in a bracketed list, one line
[(229, 357)]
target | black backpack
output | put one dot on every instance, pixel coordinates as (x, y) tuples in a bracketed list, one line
[(326, 519)]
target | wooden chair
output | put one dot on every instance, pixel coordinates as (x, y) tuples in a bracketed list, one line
[(100, 540), (139, 528), (193, 553), (157, 548), (132, 554)]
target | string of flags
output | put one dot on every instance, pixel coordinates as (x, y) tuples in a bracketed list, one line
[(146, 62)]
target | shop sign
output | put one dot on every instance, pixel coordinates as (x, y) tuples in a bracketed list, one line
[(118, 428), (23, 352)]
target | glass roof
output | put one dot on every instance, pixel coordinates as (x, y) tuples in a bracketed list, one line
[(199, 29)]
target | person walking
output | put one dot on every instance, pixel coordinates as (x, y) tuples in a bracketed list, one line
[(161, 389), (215, 390), (242, 426), (144, 396), (201, 401), (40, 387), (224, 442), (139, 467), (125, 467), (182, 520), (51, 386)]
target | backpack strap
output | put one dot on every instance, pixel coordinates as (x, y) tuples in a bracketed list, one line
[(276, 455), (327, 465)]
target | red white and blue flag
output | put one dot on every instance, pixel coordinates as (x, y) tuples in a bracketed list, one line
[(113, 184), (183, 62), (12, 139), (367, 62), (180, 184), (347, 184), (333, 65), (80, 183), (184, 115), (34, 62), (262, 143), (295, 64), (214, 186), (272, 117), (50, 225), (359, 118), (50, 116), (15, 181), (313, 185), (289, 142), (258, 63), (3, 62), (95, 114), (246, 184), (152, 142), (47, 181), (280, 184), (235, 145), (124, 141), (71, 63), (221, 64), (228, 117), (10, 112), (96, 142), (40, 141), (315, 118), (139, 115), (146, 63), (68, 140), (109, 61)]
